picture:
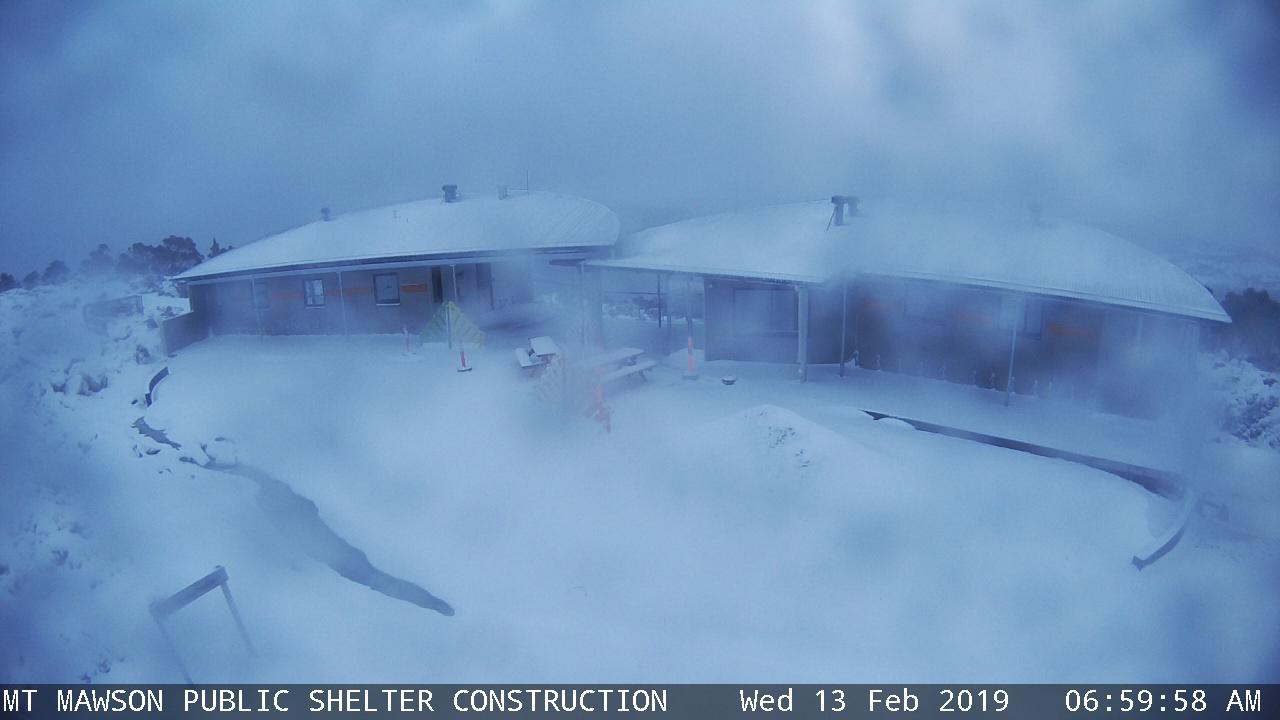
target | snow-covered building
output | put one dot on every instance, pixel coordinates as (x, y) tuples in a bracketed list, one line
[(390, 268), (1042, 306)]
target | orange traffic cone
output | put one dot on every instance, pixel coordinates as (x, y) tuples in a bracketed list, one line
[(691, 373), (600, 409)]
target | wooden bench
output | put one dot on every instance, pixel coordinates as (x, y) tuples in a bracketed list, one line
[(636, 368)]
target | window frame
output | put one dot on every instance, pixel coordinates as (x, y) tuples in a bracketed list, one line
[(395, 277), (779, 319), (437, 284), (926, 304), (1018, 313), (261, 288), (308, 298)]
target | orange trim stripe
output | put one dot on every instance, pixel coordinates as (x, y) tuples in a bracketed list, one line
[(1069, 330)]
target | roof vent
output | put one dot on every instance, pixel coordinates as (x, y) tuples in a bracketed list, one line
[(839, 201), (450, 193), (502, 192), (324, 213)]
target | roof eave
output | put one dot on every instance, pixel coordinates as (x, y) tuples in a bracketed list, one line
[(358, 263)]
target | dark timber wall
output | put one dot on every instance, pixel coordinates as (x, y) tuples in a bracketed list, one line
[(1117, 359), (284, 305)]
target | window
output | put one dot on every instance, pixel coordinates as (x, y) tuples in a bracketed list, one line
[(313, 292), (260, 299), (926, 303), (765, 310), (1033, 320), (1026, 315), (437, 285), (484, 282), (386, 289)]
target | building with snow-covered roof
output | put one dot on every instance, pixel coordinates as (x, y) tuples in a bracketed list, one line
[(1019, 304), (391, 268)]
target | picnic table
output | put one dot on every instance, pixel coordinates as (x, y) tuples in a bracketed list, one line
[(621, 356), (617, 364), (537, 353), (544, 347)]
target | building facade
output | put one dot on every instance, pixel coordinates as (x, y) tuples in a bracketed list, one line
[(391, 269), (1020, 305)]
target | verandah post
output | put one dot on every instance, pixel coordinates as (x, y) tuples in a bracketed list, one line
[(1016, 316), (802, 351), (844, 317), (342, 303), (257, 311)]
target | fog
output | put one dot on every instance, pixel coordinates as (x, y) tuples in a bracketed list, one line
[(127, 122), (396, 499)]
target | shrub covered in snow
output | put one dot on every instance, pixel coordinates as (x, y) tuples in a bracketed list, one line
[(1249, 400)]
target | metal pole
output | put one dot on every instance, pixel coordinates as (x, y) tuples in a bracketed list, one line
[(448, 311), (593, 317), (173, 651), (235, 615), (703, 279), (257, 311), (688, 304), (342, 301), (582, 301), (1013, 345), (658, 277), (844, 317), (802, 350), (666, 346)]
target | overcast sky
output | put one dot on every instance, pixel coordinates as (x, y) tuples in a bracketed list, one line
[(127, 122)]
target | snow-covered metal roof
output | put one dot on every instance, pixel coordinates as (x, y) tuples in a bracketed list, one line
[(798, 243), (472, 225)]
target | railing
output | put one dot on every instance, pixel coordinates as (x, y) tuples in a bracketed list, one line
[(97, 314), (179, 332)]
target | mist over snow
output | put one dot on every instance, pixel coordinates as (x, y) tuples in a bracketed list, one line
[(717, 533), (127, 122), (385, 517)]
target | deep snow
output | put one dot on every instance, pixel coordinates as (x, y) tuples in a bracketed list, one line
[(750, 532)]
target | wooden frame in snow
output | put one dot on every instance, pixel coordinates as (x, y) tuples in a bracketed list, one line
[(162, 609)]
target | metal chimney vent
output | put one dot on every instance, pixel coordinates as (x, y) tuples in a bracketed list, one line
[(502, 192), (839, 202), (324, 213), (450, 193)]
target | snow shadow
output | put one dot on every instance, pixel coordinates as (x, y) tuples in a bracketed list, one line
[(299, 519)]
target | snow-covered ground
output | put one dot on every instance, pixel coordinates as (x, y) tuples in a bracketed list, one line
[(745, 532), (1249, 397)]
